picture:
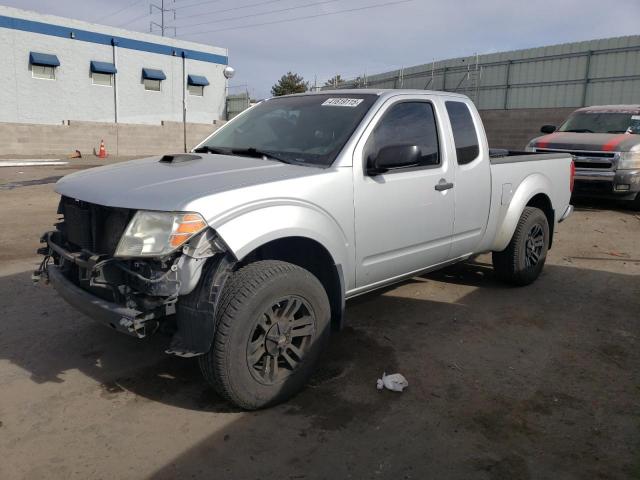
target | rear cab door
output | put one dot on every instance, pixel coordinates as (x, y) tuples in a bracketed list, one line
[(472, 175)]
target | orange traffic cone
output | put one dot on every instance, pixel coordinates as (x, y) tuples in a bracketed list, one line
[(103, 151)]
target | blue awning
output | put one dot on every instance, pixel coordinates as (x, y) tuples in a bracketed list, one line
[(197, 80), (45, 59), (103, 67), (151, 74)]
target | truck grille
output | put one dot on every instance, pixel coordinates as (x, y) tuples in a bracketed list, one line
[(92, 227), (588, 160)]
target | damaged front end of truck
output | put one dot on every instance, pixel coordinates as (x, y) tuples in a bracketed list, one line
[(137, 271)]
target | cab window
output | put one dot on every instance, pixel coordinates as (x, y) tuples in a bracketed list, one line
[(408, 124), (464, 132)]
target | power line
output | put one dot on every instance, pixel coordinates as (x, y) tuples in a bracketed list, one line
[(228, 9), (199, 3), (260, 14), (118, 11), (299, 18), (135, 19)]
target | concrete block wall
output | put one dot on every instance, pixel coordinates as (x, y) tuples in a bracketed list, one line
[(22, 139), (510, 129), (513, 129)]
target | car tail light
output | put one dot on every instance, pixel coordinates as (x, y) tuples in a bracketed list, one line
[(572, 175)]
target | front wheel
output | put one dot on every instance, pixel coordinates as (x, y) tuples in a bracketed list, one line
[(523, 259), (272, 323)]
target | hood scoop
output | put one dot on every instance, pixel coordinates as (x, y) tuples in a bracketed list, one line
[(179, 158)]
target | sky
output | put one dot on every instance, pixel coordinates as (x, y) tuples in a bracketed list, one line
[(361, 41)]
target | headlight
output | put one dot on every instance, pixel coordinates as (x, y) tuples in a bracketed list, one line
[(154, 234), (629, 160)]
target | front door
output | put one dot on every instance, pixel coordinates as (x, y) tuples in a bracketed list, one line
[(403, 217)]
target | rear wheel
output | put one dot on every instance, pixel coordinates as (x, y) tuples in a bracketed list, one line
[(523, 259), (272, 324)]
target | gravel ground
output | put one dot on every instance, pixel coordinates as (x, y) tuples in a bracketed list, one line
[(541, 382)]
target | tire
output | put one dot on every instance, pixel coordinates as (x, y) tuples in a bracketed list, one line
[(522, 261), (271, 326), (635, 203)]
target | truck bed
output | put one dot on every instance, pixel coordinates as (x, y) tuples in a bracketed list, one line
[(501, 155), (512, 185)]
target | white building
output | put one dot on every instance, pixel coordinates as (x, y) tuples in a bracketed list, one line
[(57, 69)]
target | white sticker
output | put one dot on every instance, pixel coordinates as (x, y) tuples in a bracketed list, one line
[(343, 102)]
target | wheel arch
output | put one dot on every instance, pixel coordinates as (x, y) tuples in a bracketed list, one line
[(311, 255), (533, 191)]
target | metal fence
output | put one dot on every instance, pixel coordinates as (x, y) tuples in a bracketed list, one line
[(594, 72), (236, 104)]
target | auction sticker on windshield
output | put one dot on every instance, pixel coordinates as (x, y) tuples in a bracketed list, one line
[(342, 102)]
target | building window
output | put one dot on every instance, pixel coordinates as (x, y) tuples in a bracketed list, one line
[(43, 71), (102, 73), (151, 85), (196, 84), (43, 65), (197, 90), (152, 79), (104, 79)]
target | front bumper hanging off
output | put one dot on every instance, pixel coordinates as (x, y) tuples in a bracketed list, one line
[(138, 304), (126, 320), (125, 317)]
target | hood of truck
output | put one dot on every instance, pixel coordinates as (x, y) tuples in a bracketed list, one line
[(595, 142), (149, 184)]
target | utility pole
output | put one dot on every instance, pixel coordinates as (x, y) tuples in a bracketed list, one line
[(162, 11)]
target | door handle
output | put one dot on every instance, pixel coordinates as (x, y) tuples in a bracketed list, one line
[(443, 185)]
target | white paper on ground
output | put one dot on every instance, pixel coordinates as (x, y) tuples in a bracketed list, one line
[(395, 382)]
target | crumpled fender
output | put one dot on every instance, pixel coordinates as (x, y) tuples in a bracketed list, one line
[(530, 187)]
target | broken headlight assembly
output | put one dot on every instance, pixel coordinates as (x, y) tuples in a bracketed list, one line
[(156, 234)]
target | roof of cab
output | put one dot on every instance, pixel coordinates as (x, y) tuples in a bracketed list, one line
[(382, 92)]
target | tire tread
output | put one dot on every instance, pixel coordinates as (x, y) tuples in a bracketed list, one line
[(238, 290), (507, 262)]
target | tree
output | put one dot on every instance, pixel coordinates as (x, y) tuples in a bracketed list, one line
[(289, 83), (334, 82)]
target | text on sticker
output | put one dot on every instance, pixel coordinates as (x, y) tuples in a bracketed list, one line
[(342, 102)]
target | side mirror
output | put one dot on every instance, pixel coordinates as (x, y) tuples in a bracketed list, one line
[(548, 128), (392, 157)]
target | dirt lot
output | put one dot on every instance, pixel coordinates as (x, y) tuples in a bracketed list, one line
[(540, 382)]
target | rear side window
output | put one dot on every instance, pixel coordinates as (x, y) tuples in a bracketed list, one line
[(464, 132), (408, 123)]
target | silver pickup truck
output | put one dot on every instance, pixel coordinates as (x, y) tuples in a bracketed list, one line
[(246, 249), (605, 141)]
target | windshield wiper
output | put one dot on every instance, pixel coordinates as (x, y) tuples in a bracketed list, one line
[(616, 131), (208, 149), (254, 152), (579, 130)]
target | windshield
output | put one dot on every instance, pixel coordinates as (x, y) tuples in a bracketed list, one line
[(307, 129), (598, 121)]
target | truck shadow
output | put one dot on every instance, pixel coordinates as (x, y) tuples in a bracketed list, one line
[(492, 370), (504, 383)]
